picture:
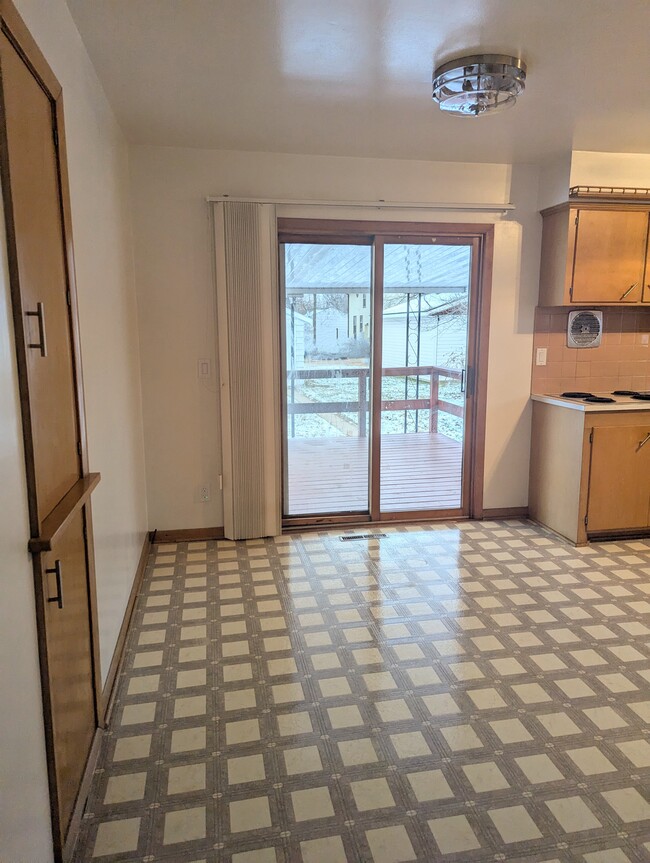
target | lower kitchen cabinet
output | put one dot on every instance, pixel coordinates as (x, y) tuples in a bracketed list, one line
[(619, 478), (590, 471)]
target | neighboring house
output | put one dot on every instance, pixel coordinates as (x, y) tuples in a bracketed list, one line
[(359, 310), (442, 332), (331, 332), (296, 324), (440, 274)]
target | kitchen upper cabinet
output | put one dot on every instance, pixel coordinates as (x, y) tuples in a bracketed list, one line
[(619, 478), (595, 255)]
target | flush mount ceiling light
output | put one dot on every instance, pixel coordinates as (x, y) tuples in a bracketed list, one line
[(479, 84)]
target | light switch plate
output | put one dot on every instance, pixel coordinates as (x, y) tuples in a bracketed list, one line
[(540, 357)]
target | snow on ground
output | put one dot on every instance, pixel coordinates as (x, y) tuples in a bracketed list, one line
[(393, 422)]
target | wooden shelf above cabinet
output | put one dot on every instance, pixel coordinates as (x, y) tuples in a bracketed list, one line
[(55, 524), (595, 254)]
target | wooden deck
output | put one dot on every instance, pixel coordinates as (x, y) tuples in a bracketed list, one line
[(418, 471)]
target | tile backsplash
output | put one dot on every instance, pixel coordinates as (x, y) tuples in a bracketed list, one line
[(621, 362)]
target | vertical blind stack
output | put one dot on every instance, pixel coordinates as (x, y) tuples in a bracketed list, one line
[(249, 360)]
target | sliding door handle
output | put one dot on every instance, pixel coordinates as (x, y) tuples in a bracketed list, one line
[(39, 314), (59, 583), (462, 380)]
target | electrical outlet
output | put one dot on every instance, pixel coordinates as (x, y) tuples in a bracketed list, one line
[(204, 493), (645, 338), (540, 357)]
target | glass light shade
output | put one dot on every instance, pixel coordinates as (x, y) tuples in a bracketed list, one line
[(480, 84)]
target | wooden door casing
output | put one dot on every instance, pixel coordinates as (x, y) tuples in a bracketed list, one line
[(609, 256), (619, 479)]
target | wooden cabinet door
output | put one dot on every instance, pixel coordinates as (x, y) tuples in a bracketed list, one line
[(39, 248), (619, 479), (41, 264), (69, 662), (609, 256)]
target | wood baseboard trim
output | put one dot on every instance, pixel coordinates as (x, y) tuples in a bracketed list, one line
[(118, 654), (82, 797), (505, 512), (192, 534)]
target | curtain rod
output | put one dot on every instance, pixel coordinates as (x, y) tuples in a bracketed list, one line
[(378, 205)]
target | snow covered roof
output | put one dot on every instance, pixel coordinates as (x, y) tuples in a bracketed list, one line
[(316, 266), (297, 316)]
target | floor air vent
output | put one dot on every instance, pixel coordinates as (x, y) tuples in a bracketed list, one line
[(362, 536)]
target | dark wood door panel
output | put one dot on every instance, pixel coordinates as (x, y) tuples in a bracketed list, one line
[(70, 661), (40, 253)]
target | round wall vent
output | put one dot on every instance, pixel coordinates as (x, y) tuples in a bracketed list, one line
[(585, 329)]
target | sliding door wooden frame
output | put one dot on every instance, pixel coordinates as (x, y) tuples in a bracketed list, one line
[(478, 236), (376, 377), (16, 31)]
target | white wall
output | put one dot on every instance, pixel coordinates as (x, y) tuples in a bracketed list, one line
[(175, 288), (554, 181), (610, 169), (98, 163)]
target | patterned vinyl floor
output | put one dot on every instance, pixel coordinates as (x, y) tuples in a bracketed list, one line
[(465, 692)]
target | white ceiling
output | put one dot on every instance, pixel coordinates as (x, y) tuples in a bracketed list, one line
[(353, 77)]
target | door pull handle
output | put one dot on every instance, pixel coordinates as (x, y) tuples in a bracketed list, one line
[(629, 290), (462, 380), (59, 584), (39, 314), (643, 442)]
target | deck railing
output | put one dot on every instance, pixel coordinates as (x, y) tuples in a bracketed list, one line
[(433, 403)]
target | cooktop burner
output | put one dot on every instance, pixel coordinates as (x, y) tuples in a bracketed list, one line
[(604, 399)]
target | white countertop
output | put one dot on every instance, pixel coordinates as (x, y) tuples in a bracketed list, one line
[(622, 403)]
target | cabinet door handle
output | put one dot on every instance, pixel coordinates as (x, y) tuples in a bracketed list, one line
[(629, 290), (39, 314), (643, 442), (59, 584)]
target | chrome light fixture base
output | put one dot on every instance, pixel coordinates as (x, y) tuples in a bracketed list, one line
[(479, 84)]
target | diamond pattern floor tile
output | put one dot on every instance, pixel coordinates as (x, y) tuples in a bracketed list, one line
[(463, 692)]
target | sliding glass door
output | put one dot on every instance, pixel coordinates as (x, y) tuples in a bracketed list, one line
[(378, 357), (423, 368), (327, 344)]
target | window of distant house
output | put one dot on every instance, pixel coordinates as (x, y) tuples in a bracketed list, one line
[(364, 301)]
